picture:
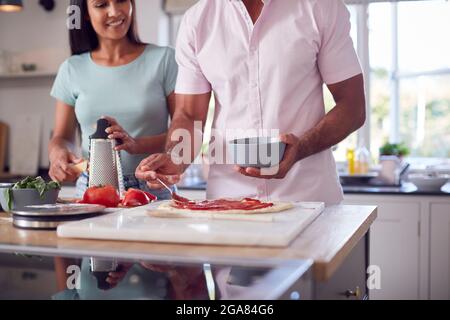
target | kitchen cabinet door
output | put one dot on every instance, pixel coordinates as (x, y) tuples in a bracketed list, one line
[(395, 248), (440, 251), (349, 280)]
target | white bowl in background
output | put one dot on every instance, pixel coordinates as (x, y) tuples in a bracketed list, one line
[(428, 182)]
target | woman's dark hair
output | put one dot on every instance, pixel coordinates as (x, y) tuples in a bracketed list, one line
[(85, 39)]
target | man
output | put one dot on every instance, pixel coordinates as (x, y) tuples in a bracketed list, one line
[(266, 62)]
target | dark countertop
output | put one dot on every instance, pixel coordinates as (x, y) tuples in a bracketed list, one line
[(405, 189)]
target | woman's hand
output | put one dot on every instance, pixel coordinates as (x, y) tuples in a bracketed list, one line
[(115, 131), (62, 163)]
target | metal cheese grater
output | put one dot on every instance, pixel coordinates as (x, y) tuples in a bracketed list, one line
[(100, 269), (105, 167)]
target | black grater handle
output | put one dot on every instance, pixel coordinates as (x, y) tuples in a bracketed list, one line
[(100, 133)]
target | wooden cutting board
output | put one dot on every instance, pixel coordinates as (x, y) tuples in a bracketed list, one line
[(137, 225)]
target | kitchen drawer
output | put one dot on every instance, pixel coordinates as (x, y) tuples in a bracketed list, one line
[(349, 279), (23, 277), (27, 284)]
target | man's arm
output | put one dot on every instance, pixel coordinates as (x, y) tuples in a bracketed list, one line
[(347, 116), (189, 109)]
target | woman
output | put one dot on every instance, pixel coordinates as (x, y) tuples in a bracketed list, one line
[(112, 73)]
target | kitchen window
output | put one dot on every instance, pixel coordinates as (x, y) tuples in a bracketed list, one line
[(403, 46)]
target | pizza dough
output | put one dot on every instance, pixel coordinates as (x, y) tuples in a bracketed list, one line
[(165, 210)]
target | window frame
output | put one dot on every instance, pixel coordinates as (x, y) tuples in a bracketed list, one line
[(395, 76)]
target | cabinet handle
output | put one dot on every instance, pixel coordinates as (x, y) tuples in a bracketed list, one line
[(350, 293)]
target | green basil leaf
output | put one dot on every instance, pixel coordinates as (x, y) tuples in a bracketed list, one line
[(53, 185), (8, 196), (37, 183)]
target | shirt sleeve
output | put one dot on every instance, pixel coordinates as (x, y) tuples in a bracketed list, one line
[(62, 87), (171, 72), (337, 59), (191, 79)]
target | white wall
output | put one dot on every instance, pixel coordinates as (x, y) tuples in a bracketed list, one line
[(35, 35), (153, 24)]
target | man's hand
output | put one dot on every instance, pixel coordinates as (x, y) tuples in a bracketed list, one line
[(291, 156), (117, 276), (160, 166)]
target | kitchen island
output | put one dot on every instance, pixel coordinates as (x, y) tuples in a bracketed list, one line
[(336, 243)]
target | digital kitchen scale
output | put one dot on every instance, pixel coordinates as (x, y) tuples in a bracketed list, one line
[(49, 216)]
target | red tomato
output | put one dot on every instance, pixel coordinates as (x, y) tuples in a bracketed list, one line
[(136, 197), (152, 197), (106, 196)]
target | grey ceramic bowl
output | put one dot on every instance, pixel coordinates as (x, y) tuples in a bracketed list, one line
[(27, 197), (258, 152)]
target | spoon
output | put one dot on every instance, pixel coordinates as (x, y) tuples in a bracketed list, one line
[(175, 196)]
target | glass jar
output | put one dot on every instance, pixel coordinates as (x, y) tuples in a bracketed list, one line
[(362, 160)]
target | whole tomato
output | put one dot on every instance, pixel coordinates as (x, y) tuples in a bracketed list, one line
[(107, 196), (136, 197)]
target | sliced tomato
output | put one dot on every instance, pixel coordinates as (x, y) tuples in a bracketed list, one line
[(152, 197), (107, 196), (136, 197), (222, 204)]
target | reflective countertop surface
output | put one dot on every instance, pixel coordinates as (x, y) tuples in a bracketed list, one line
[(92, 278)]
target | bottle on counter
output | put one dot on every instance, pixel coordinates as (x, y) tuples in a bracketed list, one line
[(351, 160), (362, 159)]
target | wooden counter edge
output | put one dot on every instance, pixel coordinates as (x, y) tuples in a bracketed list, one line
[(324, 270)]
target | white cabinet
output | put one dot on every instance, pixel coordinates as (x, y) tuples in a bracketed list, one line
[(394, 246), (440, 250), (410, 241)]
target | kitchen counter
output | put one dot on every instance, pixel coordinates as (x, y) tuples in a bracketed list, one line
[(405, 189), (327, 241)]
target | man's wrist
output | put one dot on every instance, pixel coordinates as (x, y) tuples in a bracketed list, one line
[(177, 160), (302, 149)]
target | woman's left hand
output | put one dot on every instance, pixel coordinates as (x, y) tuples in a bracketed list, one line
[(115, 131)]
